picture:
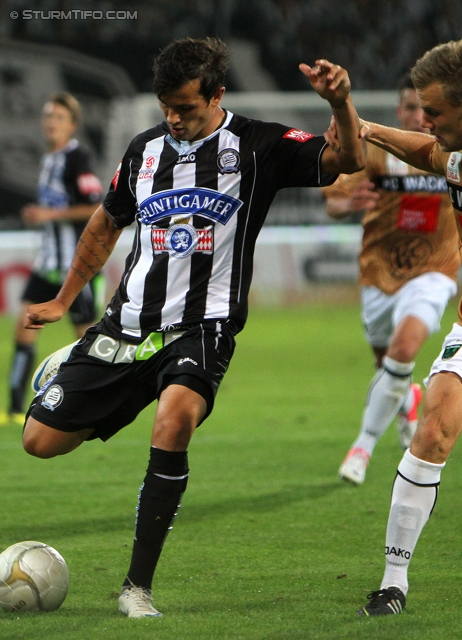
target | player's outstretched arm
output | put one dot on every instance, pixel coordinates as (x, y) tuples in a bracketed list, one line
[(332, 83), (411, 146), (92, 252)]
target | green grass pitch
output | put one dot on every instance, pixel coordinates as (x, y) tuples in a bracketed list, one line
[(268, 544)]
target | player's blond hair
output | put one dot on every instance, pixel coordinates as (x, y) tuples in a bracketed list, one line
[(442, 65), (69, 102)]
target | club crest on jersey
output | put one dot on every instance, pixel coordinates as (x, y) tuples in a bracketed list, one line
[(228, 161), (298, 135), (179, 241), (219, 207)]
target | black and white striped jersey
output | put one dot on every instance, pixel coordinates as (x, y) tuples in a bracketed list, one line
[(66, 179), (199, 208)]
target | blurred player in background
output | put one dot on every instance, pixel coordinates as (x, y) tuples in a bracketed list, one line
[(437, 77), (68, 193), (199, 186), (409, 262)]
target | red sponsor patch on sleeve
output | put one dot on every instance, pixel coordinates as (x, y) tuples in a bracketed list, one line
[(89, 184), (298, 135), (115, 177)]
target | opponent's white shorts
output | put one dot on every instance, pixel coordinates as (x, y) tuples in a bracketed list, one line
[(450, 357), (424, 297)]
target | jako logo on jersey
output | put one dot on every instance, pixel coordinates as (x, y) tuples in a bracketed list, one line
[(211, 204), (298, 134), (190, 157), (183, 360)]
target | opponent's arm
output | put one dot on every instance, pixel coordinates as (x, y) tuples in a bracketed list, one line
[(411, 146), (332, 83), (91, 254), (35, 214)]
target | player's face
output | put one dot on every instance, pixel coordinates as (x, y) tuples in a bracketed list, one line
[(410, 112), (58, 125), (188, 115), (442, 119)]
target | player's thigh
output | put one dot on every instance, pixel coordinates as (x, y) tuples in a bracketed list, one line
[(424, 297), (376, 314), (88, 394), (43, 441)]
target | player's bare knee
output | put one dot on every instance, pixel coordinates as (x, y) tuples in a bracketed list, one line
[(36, 447), (402, 351)]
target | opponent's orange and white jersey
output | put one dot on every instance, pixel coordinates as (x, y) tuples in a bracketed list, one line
[(450, 165), (411, 230)]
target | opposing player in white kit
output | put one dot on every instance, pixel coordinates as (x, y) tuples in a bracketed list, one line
[(437, 77), (198, 187), (409, 263)]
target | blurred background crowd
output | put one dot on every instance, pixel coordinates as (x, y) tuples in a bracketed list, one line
[(375, 41)]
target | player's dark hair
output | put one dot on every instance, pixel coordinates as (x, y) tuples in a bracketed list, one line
[(69, 102), (189, 59), (442, 65)]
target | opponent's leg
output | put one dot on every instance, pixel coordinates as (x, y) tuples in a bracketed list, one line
[(384, 398), (386, 395), (21, 367), (179, 411), (416, 488)]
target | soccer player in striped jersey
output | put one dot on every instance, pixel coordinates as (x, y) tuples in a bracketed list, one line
[(198, 188), (68, 194)]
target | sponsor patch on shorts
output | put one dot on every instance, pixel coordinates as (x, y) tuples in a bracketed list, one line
[(53, 397)]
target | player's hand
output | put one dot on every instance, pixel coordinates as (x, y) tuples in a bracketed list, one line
[(34, 214), (364, 197), (331, 137), (329, 80), (38, 315)]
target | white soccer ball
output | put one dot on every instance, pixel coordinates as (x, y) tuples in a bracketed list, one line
[(33, 577)]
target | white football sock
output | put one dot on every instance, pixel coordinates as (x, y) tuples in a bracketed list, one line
[(412, 501), (408, 401), (385, 397)]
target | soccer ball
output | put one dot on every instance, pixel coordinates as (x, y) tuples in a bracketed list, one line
[(33, 577)]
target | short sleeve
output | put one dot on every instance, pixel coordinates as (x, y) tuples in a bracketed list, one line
[(120, 201), (298, 155)]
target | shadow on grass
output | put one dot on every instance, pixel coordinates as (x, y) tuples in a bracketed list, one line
[(260, 503), (66, 528), (193, 513)]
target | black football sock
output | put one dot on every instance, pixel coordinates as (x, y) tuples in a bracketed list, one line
[(21, 368), (159, 499)]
